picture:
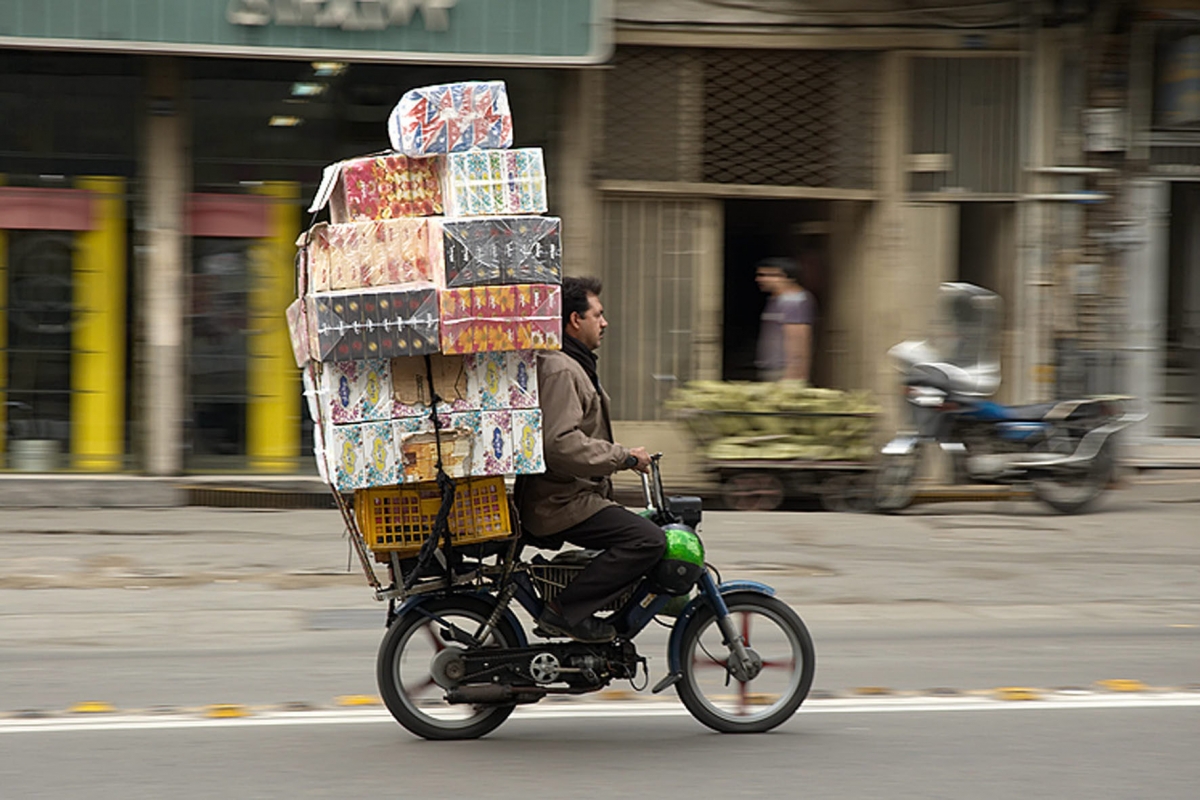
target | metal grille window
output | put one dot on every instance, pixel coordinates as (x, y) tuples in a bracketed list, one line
[(789, 118), (653, 254), (760, 117), (966, 108)]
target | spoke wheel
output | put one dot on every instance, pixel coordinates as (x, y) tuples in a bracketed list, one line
[(778, 641), (753, 491), (414, 647)]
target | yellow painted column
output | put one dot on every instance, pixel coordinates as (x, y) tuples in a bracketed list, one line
[(98, 337), (273, 382)]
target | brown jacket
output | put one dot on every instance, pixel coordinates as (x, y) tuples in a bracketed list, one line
[(580, 453)]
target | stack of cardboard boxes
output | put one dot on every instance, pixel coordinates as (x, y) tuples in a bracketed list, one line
[(440, 249)]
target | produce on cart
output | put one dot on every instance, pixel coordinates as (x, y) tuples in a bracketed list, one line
[(417, 326), (768, 441)]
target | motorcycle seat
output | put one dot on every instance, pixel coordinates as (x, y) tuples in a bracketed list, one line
[(1031, 413)]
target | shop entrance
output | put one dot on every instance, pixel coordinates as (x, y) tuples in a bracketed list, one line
[(758, 229), (38, 334), (1180, 408)]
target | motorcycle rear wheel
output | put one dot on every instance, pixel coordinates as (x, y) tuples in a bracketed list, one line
[(1074, 492), (404, 669), (895, 481), (777, 635)]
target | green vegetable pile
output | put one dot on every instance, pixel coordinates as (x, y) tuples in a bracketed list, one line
[(786, 421)]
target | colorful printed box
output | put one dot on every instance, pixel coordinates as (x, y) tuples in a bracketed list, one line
[(369, 254), (341, 392), (494, 450), (527, 440), (374, 323), (347, 466), (539, 317), (490, 373), (486, 319), (451, 118), (379, 187), (520, 367), (500, 250), (381, 458), (493, 182)]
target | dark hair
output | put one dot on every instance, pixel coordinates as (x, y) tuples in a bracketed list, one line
[(788, 266), (575, 293)]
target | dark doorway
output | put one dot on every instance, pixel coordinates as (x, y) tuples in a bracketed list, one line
[(758, 229)]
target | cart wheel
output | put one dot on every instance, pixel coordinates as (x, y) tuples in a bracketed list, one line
[(752, 491), (851, 493)]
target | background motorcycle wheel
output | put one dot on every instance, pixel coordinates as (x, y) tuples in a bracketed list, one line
[(406, 682), (1075, 491), (777, 635), (895, 481)]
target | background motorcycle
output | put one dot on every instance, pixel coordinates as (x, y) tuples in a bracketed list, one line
[(1064, 450), (456, 661)]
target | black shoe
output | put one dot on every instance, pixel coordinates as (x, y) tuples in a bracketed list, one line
[(590, 631)]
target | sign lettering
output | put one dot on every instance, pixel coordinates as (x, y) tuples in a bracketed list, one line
[(349, 15)]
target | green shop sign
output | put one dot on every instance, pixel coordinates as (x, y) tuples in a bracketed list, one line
[(548, 32)]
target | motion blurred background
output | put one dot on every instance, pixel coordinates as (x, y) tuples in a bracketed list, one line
[(157, 157)]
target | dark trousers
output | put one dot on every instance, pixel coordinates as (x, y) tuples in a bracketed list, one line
[(632, 545)]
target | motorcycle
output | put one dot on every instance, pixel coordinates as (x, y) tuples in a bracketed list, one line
[(455, 661), (1064, 450)]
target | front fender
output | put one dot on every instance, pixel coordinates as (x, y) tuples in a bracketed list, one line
[(675, 643), (415, 602)]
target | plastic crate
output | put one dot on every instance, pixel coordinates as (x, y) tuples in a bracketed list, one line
[(398, 518)]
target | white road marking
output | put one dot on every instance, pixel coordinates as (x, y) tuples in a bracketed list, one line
[(612, 709)]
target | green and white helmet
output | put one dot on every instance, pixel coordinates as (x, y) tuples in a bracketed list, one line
[(682, 562)]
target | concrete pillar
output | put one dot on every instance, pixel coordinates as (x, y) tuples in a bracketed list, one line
[(580, 201), (887, 288), (162, 264)]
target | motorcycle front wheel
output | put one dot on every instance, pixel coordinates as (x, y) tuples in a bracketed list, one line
[(410, 653), (779, 642)]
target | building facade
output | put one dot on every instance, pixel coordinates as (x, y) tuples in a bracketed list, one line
[(165, 152)]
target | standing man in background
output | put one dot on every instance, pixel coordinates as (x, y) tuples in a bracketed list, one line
[(785, 336)]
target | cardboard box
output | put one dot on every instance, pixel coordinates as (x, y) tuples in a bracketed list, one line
[(374, 323), (528, 442), (520, 367), (500, 250), (451, 118), (297, 322), (410, 385), (493, 182), (494, 450), (341, 392), (490, 372), (385, 186), (486, 319), (347, 465), (380, 455)]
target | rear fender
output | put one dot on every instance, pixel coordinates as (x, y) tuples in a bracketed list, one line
[(415, 603), (675, 643)]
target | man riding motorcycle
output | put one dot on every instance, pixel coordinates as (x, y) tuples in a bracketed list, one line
[(572, 501)]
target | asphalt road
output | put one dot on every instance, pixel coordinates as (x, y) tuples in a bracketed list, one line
[(1014, 751), (163, 613)]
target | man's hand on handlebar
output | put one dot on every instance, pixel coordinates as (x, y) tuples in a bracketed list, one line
[(643, 459)]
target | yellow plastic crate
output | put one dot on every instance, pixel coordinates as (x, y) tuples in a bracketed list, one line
[(398, 518)]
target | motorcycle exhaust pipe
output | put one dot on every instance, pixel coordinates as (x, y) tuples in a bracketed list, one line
[(494, 694)]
